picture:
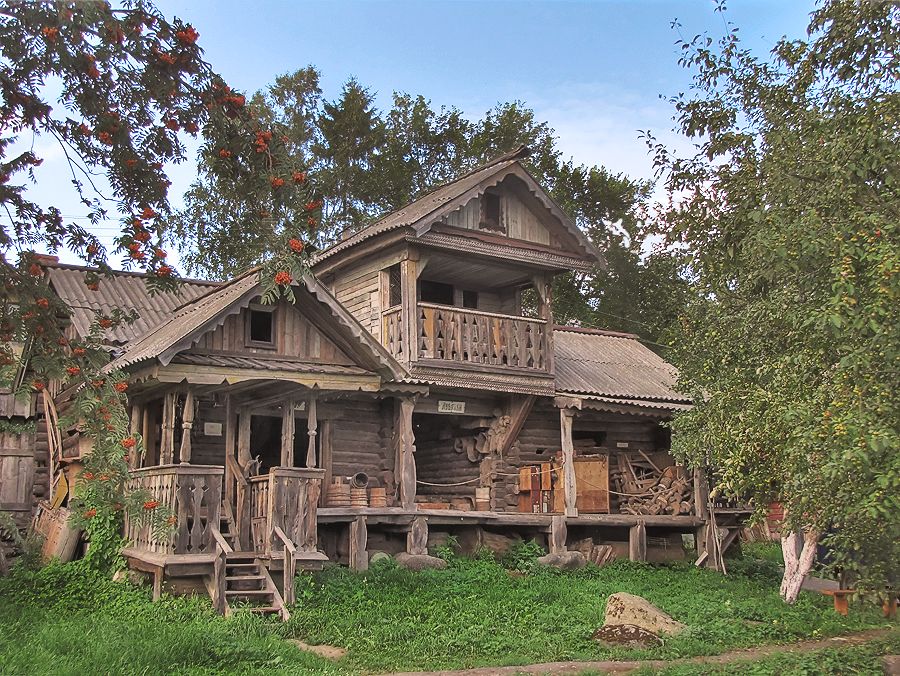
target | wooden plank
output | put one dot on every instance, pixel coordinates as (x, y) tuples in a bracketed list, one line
[(287, 434), (592, 477)]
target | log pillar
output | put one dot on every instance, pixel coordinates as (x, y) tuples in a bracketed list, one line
[(135, 428), (637, 542), (417, 537), (312, 427), (406, 449), (243, 444), (359, 556), (287, 434), (187, 426), (167, 440), (570, 489), (558, 534)]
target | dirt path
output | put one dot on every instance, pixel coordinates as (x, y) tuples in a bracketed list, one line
[(613, 667)]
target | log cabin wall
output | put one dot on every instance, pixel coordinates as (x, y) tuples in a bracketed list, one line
[(361, 432), (362, 288), (293, 336), (442, 459), (208, 449)]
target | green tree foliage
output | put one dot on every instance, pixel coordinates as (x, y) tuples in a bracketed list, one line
[(787, 228), (113, 88), (350, 135)]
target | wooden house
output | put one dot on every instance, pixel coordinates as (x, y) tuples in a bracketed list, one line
[(417, 389)]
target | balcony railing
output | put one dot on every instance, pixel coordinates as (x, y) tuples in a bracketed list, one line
[(470, 336)]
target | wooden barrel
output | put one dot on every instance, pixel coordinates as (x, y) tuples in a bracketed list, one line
[(359, 497), (377, 497), (339, 495)]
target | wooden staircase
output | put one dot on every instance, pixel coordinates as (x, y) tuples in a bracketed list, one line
[(247, 580)]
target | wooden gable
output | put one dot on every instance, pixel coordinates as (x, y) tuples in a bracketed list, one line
[(293, 335), (509, 210)]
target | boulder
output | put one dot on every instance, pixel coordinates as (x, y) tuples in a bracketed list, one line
[(563, 560), (135, 577), (628, 609), (417, 562), (627, 635), (378, 556)]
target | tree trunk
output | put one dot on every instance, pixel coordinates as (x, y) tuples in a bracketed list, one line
[(799, 555)]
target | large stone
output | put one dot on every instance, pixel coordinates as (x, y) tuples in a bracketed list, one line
[(563, 560), (417, 562), (623, 608), (627, 635), (135, 577)]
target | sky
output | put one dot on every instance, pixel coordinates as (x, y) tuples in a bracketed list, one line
[(598, 72)]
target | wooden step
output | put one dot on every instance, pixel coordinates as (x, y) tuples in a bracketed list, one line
[(263, 609), (235, 578), (249, 592)]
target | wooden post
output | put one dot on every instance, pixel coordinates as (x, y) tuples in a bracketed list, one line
[(312, 424), (417, 537), (701, 494), (287, 434), (229, 450), (637, 542), (406, 441), (187, 425), (410, 308), (359, 557), (167, 441), (243, 450), (570, 490), (544, 287), (325, 451), (137, 416), (558, 534)]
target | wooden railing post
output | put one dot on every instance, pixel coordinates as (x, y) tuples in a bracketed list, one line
[(290, 565)]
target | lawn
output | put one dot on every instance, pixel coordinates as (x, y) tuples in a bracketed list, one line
[(66, 620)]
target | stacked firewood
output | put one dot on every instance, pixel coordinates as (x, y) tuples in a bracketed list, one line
[(645, 488)]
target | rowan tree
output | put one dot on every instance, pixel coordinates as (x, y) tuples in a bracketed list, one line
[(785, 222), (114, 88)]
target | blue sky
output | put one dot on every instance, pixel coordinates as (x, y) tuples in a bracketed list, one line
[(594, 71)]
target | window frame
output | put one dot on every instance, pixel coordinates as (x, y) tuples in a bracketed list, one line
[(248, 339)]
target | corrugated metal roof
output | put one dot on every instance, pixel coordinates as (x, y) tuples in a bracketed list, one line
[(257, 362), (125, 291), (616, 365)]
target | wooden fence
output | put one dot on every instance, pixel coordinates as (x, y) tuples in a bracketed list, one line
[(286, 498)]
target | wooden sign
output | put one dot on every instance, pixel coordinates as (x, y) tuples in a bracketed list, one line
[(212, 429), (457, 407)]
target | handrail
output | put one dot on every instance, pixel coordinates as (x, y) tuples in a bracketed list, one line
[(290, 552), (495, 315), (219, 570), (236, 469)]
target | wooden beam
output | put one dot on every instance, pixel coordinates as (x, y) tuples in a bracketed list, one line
[(520, 409), (359, 557), (287, 434), (229, 449), (243, 447), (325, 454), (637, 542), (312, 424), (570, 489), (187, 426), (406, 441), (701, 494)]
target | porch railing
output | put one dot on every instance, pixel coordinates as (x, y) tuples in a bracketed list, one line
[(286, 498), (193, 493), (456, 334)]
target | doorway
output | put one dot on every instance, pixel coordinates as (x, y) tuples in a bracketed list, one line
[(265, 441)]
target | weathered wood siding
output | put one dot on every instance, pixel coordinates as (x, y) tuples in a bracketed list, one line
[(361, 439), (359, 291), (23, 475), (519, 219), (295, 336)]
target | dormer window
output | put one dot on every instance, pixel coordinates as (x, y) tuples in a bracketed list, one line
[(491, 218), (261, 326)]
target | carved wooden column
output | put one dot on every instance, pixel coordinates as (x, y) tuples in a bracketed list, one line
[(409, 308), (243, 449), (287, 434), (167, 440), (187, 426), (137, 417), (568, 457), (406, 448), (312, 425)]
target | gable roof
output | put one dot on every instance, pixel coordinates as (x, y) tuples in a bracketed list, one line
[(454, 195), (187, 324), (122, 290), (614, 367)]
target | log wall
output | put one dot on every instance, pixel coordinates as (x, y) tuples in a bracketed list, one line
[(361, 440)]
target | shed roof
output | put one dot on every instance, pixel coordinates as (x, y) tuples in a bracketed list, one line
[(614, 366), (122, 290), (433, 203)]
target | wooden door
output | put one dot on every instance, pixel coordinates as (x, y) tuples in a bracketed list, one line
[(592, 484), (17, 475)]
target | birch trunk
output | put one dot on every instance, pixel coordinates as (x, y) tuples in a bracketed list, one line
[(799, 555)]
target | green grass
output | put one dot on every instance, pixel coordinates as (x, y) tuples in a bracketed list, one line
[(766, 551), (66, 620)]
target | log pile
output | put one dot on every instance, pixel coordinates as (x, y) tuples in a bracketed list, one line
[(645, 488)]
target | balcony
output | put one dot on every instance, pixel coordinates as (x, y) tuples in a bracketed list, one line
[(452, 335)]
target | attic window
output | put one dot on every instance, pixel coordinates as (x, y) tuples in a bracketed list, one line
[(490, 212), (261, 326)]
